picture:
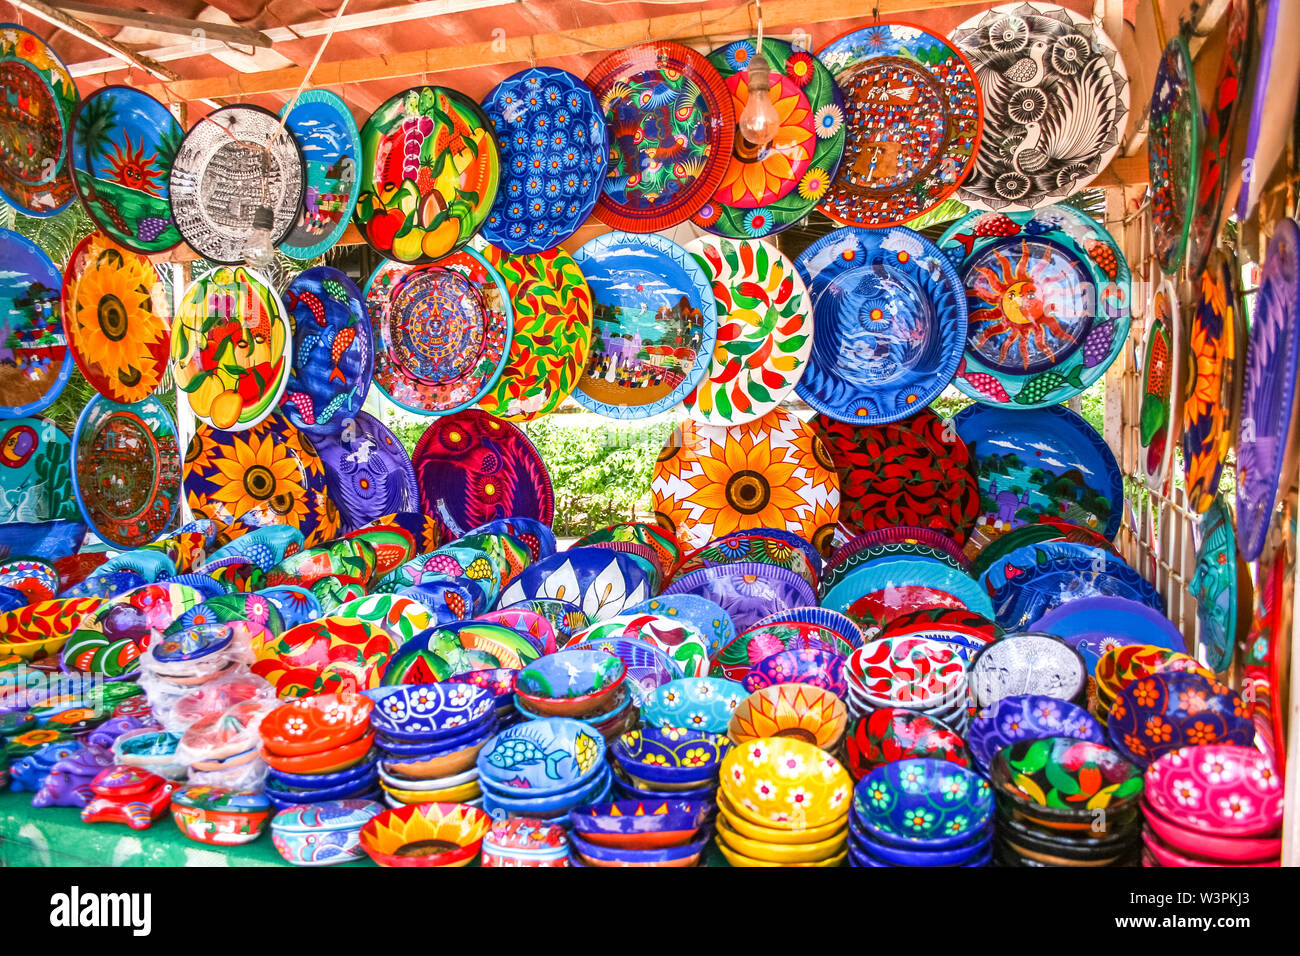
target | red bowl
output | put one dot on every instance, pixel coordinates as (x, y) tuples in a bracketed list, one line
[(1198, 844)]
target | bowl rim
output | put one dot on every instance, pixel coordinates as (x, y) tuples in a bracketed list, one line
[(467, 851), (589, 697)]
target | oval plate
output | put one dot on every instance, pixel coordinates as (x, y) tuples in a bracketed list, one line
[(327, 135), (333, 357), (37, 364)]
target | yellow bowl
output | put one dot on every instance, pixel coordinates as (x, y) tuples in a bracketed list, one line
[(739, 859), (801, 711), (466, 791), (426, 834), (783, 852), (785, 783), (772, 834)]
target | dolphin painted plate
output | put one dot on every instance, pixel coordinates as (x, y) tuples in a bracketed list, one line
[(671, 123), (127, 469), (40, 98), (35, 472), (1221, 586), (218, 181), (767, 189), (116, 319), (1173, 161), (890, 315), (912, 115), (1162, 385), (654, 325), (34, 360), (368, 471), (332, 351), (1049, 304), (327, 135)]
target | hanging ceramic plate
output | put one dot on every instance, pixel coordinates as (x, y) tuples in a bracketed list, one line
[(122, 146), (270, 473), (1273, 103), (914, 472), (442, 333), (765, 190), (327, 135), (1162, 385), (472, 468), (368, 471), (333, 361), (763, 345), (891, 324), (429, 174), (35, 472), (1043, 528), (1056, 99), (116, 318), (554, 155), (34, 360), (1173, 162), (230, 348), (887, 583), (912, 112), (900, 539), (1216, 345), (552, 318), (127, 470), (1050, 462), (771, 473), (671, 123), (654, 325), (1266, 442), (1221, 586), (40, 98), (226, 164), (1049, 308)]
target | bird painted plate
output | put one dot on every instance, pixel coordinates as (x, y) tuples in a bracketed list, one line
[(890, 315), (122, 146), (767, 189), (116, 318), (34, 360), (333, 357), (1266, 442), (1162, 385), (771, 473), (552, 335), (654, 325), (1221, 586), (218, 180), (671, 123), (429, 174), (368, 471), (127, 469), (327, 135), (554, 147), (1094, 625), (1173, 161), (230, 348), (1056, 100), (912, 113), (35, 472), (766, 337), (40, 98), (873, 584), (472, 468), (1048, 462), (1048, 293)]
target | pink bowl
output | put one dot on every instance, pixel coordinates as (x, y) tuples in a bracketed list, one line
[(1167, 857), (1218, 788), (1212, 846)]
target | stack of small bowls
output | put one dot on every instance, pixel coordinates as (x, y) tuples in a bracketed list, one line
[(909, 672), (525, 843), (1216, 805), (653, 832), (428, 736), (319, 748), (922, 812), (541, 769), (669, 763), (801, 711), (586, 685), (426, 834), (1120, 666), (1066, 802)]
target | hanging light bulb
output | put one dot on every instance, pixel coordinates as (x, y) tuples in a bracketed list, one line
[(759, 120), (259, 249)]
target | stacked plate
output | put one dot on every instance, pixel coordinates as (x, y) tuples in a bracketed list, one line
[(653, 832), (921, 812), (910, 672), (542, 769), (669, 763), (319, 748)]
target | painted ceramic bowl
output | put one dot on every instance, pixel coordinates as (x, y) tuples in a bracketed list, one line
[(680, 640), (596, 854), (924, 800), (736, 858), (599, 581), (551, 806), (1027, 717), (1064, 780), (967, 854), (625, 789), (364, 771), (460, 793), (461, 737), (397, 782), (913, 671), (783, 853), (220, 816), (1027, 663), (322, 834), (693, 703), (1210, 846), (670, 759), (820, 668), (522, 842), (889, 734), (498, 681), (640, 824), (570, 683), (747, 591), (802, 711), (426, 834), (648, 666), (323, 761), (314, 724), (453, 758), (1161, 854), (325, 655), (1120, 666), (780, 782), (774, 834), (542, 756), (1219, 788), (1160, 713), (429, 711)]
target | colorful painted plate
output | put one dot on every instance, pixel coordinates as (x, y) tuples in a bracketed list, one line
[(35, 580), (746, 591), (1162, 384), (225, 165), (1173, 162), (333, 357), (1093, 625), (771, 473), (654, 325), (1221, 586), (891, 324), (429, 174), (854, 595), (766, 338), (34, 359), (1048, 298), (1273, 103), (1056, 100), (35, 472), (552, 332), (270, 473), (912, 112), (127, 470), (671, 123), (368, 472), (230, 348), (1042, 528), (41, 99), (472, 468), (767, 189), (1266, 443), (554, 147), (914, 472), (327, 135)]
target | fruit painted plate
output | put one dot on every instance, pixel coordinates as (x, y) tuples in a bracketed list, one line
[(36, 362), (429, 174), (35, 472), (1162, 385), (368, 471), (327, 134), (671, 123), (913, 116), (218, 181), (856, 592), (332, 351), (1221, 586), (767, 189), (126, 470), (1173, 160), (34, 174), (765, 338), (890, 315)]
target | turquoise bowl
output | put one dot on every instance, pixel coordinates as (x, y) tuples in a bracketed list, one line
[(693, 703)]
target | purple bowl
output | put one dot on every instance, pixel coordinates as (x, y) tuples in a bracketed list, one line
[(804, 665), (747, 591), (1027, 717), (621, 856)]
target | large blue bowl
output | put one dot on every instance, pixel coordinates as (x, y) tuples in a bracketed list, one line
[(923, 799), (671, 758), (647, 666), (623, 856), (570, 683), (429, 711), (1027, 717), (553, 804), (645, 823), (801, 665), (540, 757)]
